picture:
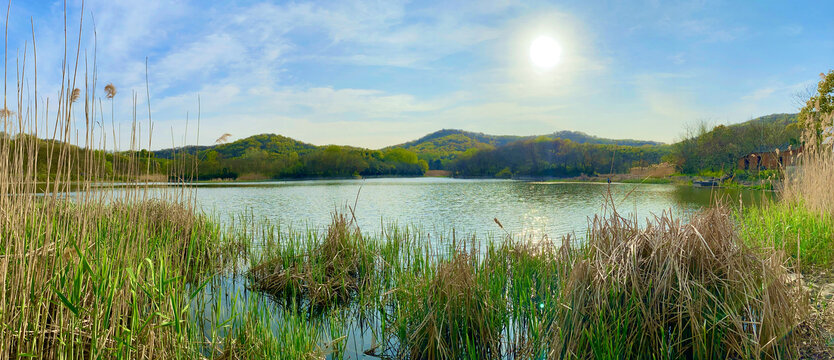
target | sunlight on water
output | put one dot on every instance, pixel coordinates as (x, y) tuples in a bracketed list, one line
[(439, 205)]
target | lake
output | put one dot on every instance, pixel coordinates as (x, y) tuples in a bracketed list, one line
[(436, 206)]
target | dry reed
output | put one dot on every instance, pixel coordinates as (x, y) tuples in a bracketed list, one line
[(674, 290)]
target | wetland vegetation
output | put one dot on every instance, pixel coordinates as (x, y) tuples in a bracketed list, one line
[(91, 272)]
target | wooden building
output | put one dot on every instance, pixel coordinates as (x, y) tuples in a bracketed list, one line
[(764, 160)]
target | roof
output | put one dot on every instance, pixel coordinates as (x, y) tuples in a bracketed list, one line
[(767, 149)]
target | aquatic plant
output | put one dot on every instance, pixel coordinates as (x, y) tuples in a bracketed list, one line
[(323, 273)]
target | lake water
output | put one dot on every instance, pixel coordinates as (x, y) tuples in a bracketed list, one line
[(438, 205)]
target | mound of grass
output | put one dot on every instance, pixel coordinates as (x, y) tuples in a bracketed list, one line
[(289, 335), (675, 291), (453, 310), (323, 271)]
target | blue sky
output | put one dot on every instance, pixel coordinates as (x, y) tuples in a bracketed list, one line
[(379, 73)]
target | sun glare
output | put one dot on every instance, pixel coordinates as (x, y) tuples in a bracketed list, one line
[(545, 52)]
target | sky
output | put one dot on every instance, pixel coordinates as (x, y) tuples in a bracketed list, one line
[(374, 74)]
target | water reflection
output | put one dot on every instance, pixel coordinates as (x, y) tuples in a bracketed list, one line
[(469, 206)]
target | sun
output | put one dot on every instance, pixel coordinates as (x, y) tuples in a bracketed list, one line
[(545, 52)]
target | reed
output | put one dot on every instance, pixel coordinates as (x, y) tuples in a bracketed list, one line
[(92, 271), (674, 289), (323, 273), (89, 269)]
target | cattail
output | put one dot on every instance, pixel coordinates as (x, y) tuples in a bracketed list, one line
[(76, 94), (498, 222), (110, 91), (222, 139)]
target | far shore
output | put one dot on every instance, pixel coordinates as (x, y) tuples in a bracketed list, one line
[(676, 179)]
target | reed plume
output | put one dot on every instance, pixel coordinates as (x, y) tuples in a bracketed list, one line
[(223, 138), (110, 91)]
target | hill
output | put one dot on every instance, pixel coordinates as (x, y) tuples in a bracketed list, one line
[(777, 119), (583, 138), (271, 156), (442, 147), (719, 149), (270, 143), (563, 153)]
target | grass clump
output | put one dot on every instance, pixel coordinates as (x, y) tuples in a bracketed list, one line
[(810, 182), (452, 310), (322, 271), (673, 290), (289, 335), (804, 234)]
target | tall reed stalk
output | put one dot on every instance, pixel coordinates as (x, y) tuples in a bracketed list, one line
[(89, 270)]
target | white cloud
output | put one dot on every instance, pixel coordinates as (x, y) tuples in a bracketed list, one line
[(759, 94)]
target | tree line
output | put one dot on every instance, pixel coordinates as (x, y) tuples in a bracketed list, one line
[(719, 149), (548, 157)]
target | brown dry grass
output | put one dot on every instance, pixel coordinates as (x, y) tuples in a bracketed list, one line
[(674, 289), (810, 184), (252, 177)]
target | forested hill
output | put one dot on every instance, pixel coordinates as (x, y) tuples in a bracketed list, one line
[(269, 143), (270, 156), (440, 148), (564, 153), (718, 149), (772, 119)]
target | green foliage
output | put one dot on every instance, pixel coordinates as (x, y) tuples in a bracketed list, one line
[(802, 233), (719, 149), (276, 157), (439, 152), (543, 156), (812, 117), (51, 156), (442, 147), (505, 173)]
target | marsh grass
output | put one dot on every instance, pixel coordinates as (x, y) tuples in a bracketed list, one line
[(324, 273), (669, 289), (88, 270), (451, 310), (289, 335), (674, 290), (809, 183), (807, 236), (92, 274), (802, 221)]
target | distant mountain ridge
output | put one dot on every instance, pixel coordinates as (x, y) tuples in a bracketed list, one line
[(438, 148), (446, 140), (501, 140), (441, 147)]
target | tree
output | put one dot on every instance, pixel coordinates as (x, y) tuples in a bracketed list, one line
[(815, 118)]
